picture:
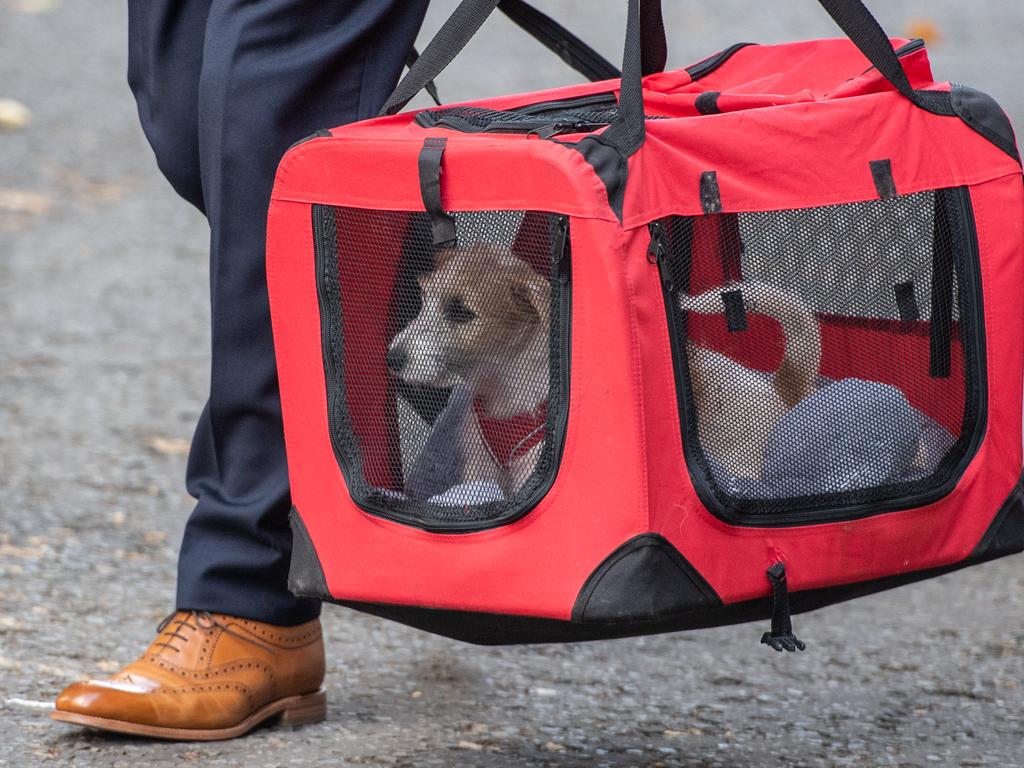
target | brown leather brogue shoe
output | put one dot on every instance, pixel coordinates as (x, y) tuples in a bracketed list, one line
[(207, 676)]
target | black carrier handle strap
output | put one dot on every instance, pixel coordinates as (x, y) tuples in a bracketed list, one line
[(627, 133), (646, 52), (470, 15)]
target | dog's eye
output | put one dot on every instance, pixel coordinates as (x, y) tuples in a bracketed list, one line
[(456, 311)]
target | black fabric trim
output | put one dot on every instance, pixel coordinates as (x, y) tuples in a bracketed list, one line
[(644, 579), (906, 302), (323, 133), (735, 311), (710, 64), (710, 195), (442, 224), (611, 167), (881, 172), (1005, 536), (707, 103), (305, 574), (982, 113), (940, 355)]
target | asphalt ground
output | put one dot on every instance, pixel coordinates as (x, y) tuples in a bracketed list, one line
[(103, 369)]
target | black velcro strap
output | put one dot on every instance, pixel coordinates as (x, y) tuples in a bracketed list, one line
[(735, 311), (707, 103), (710, 196), (881, 171), (442, 224), (906, 302)]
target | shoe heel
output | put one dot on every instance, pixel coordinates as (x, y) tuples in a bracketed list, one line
[(311, 708)]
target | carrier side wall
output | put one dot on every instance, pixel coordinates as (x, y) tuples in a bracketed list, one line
[(733, 558), (536, 565)]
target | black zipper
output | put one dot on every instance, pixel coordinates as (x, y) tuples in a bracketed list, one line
[(710, 64), (604, 99), (545, 127), (904, 50), (970, 274), (328, 301)]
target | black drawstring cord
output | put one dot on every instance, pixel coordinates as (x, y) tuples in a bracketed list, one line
[(781, 638)]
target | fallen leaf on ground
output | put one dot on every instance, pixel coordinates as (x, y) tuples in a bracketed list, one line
[(926, 29), (30, 553), (13, 114), (21, 201), (90, 190), (471, 745), (168, 446), (32, 6)]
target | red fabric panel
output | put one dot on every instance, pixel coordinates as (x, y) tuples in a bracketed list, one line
[(366, 335)]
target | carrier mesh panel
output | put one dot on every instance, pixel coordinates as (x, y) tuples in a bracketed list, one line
[(445, 367), (828, 357)]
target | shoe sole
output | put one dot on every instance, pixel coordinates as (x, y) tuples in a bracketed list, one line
[(293, 711)]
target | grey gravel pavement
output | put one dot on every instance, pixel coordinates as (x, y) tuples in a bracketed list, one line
[(103, 368)]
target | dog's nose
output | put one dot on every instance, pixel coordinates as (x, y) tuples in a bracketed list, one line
[(396, 359)]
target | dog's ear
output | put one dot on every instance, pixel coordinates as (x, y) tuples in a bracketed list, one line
[(532, 298), (442, 256)]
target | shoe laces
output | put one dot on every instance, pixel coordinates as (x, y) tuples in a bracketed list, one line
[(204, 621)]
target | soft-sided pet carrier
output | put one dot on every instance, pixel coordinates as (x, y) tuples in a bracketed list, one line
[(712, 345)]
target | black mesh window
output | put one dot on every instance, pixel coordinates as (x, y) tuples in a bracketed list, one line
[(829, 360), (446, 367)]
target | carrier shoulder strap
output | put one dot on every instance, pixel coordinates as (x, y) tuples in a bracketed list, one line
[(431, 86), (626, 134), (467, 19)]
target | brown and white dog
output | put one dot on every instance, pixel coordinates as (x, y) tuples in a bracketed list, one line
[(737, 408), (485, 321)]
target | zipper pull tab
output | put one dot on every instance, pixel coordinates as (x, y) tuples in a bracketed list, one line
[(657, 253), (781, 637), (549, 131), (561, 248)]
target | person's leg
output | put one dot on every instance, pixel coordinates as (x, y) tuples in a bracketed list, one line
[(224, 87), (273, 72), (165, 58)]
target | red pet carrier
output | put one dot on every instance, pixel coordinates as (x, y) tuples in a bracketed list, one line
[(674, 350)]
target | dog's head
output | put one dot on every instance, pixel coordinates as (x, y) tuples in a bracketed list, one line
[(482, 308)]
